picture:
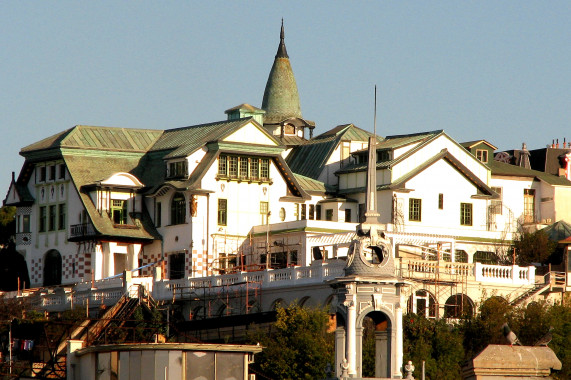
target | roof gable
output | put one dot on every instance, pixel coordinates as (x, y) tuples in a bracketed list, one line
[(251, 133)]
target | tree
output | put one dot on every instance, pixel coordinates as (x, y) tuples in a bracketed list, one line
[(435, 342), (298, 346), (7, 223), (533, 248)]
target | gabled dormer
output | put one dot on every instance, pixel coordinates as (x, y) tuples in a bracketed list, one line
[(481, 149)]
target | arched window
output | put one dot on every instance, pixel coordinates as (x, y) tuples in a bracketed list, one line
[(422, 302), (52, 268), (178, 209), (461, 256), (458, 306)]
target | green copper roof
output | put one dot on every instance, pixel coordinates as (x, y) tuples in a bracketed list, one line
[(313, 186), (281, 99), (310, 158), (501, 168), (100, 138)]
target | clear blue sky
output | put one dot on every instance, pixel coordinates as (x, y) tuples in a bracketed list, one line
[(494, 70)]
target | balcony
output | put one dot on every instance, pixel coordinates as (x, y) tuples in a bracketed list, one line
[(81, 231)]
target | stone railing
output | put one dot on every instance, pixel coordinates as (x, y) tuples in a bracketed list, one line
[(500, 274), (268, 278), (496, 274)]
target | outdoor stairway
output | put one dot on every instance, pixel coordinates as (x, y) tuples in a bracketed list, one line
[(89, 330), (537, 289)]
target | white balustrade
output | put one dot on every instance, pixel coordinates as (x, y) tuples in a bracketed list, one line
[(500, 274)]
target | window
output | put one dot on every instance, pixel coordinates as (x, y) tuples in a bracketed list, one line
[(62, 171), (311, 212), (347, 215), (329, 214), (222, 211), (303, 211), (176, 266), (178, 209), (289, 129), (265, 168), (466, 214), (293, 257), (177, 169), (119, 211), (383, 155), (414, 209), (42, 221), (264, 208), (43, 174), (232, 166), (254, 168), (52, 173), (440, 201), (223, 165), (482, 155), (25, 223), (496, 206), (158, 216), (52, 218), (61, 217), (485, 257), (317, 212), (528, 205), (243, 168)]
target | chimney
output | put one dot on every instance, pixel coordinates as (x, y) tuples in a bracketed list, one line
[(557, 145)]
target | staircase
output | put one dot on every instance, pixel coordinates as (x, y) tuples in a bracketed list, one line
[(90, 331)]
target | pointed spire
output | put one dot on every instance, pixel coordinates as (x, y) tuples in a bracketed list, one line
[(281, 99), (282, 52)]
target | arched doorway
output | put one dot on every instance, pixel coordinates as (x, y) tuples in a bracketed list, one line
[(422, 302), (376, 347), (52, 268)]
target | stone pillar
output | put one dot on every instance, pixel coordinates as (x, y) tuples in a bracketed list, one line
[(398, 344), (359, 351), (339, 349), (350, 349), (381, 354)]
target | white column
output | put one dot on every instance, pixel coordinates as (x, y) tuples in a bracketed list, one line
[(351, 350), (398, 342)]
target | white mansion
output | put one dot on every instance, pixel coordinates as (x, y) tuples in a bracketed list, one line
[(256, 198)]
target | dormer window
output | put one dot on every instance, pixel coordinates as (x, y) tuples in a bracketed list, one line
[(383, 156), (289, 129), (119, 211), (178, 169), (482, 155)]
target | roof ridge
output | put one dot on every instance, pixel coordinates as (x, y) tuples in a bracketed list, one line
[(209, 124)]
